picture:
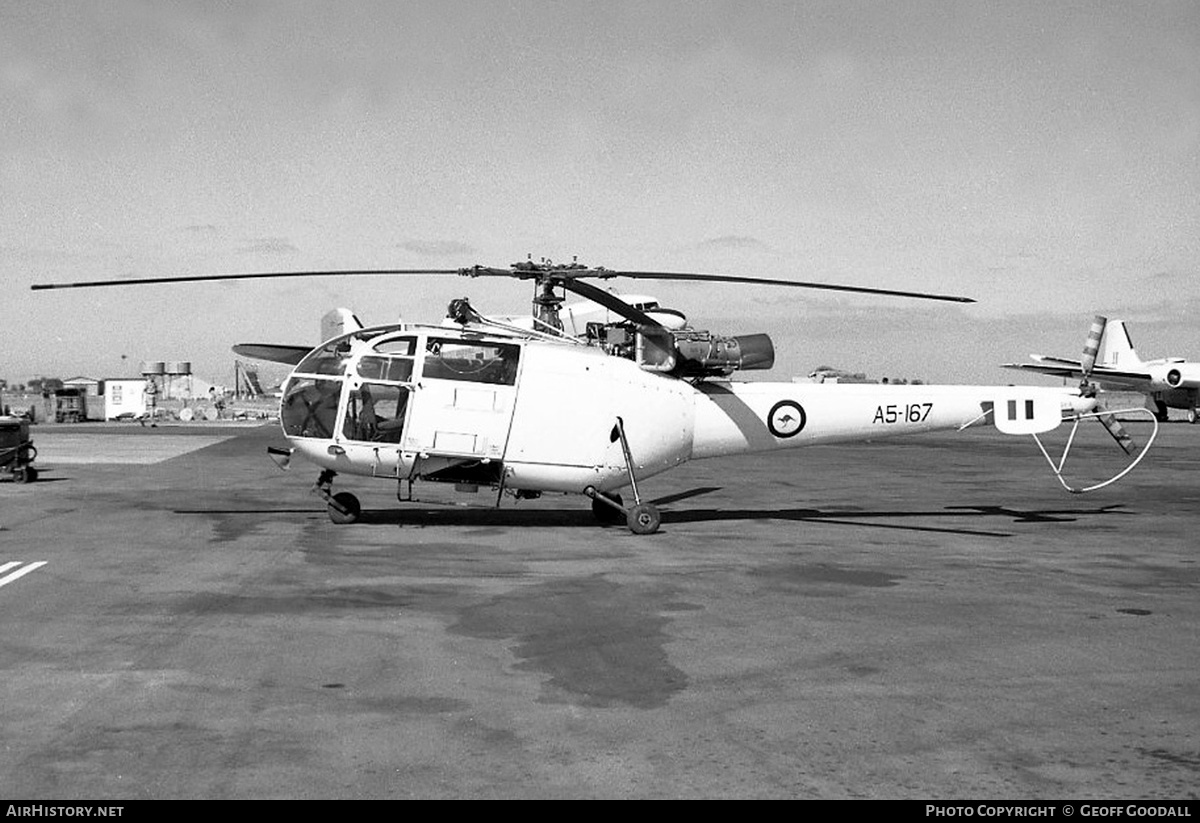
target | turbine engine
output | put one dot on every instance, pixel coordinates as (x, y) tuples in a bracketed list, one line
[(691, 353)]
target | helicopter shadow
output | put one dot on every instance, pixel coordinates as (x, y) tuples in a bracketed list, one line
[(864, 517), (918, 520), (913, 520), (883, 518), (424, 514)]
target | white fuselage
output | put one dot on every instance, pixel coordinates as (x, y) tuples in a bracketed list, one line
[(550, 423)]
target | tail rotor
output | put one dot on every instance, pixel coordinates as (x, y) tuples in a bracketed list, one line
[(1088, 389), (1089, 392)]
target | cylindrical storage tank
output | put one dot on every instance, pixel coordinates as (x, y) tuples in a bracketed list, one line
[(179, 367), (153, 367)]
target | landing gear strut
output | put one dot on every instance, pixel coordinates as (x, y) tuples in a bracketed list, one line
[(343, 506), (642, 518)]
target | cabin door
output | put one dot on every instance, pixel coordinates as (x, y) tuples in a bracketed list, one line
[(462, 404)]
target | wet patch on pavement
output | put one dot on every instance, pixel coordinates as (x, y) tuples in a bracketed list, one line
[(824, 577), (601, 644)]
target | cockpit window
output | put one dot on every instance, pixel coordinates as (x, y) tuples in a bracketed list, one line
[(398, 345), (309, 407), (474, 361), (398, 369), (329, 359), (375, 413)]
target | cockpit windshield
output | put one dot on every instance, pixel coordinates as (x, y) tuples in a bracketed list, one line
[(309, 407)]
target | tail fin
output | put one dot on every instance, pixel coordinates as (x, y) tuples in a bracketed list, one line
[(337, 322), (1116, 349)]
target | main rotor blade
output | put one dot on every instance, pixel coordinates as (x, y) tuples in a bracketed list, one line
[(560, 275), (764, 281), (609, 301), (196, 278)]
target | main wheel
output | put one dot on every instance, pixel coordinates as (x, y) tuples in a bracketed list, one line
[(25, 474), (348, 502), (643, 519), (605, 513)]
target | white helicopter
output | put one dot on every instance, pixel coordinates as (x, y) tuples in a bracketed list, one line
[(527, 407)]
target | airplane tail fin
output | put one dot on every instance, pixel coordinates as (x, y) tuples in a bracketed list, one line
[(338, 322), (1116, 349)]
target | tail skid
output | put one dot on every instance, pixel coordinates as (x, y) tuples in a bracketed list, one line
[(1058, 467), (1109, 342)]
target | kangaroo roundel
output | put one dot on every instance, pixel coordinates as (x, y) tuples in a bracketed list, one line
[(786, 418)]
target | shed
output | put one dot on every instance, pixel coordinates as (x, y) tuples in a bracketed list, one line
[(124, 396)]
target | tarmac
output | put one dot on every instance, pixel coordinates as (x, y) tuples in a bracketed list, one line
[(931, 617)]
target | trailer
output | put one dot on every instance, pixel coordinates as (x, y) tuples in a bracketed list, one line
[(17, 452), (70, 405)]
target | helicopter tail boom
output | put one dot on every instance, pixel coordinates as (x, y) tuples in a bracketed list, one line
[(733, 418)]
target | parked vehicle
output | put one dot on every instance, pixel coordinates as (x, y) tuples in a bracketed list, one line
[(17, 452)]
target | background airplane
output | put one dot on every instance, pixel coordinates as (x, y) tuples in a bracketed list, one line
[(1168, 383)]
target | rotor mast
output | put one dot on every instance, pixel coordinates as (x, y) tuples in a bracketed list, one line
[(547, 301)]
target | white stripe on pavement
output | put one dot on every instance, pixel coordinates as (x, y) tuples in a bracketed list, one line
[(19, 573)]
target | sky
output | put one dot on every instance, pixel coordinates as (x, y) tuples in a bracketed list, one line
[(1041, 158)]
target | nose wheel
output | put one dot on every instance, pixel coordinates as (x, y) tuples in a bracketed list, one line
[(343, 507)]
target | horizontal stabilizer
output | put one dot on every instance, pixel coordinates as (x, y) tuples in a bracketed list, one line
[(1051, 366), (291, 355), (1044, 368), (1061, 361)]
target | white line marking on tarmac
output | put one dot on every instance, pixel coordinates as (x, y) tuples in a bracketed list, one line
[(76, 448), (19, 573)]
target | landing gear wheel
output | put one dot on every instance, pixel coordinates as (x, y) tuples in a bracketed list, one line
[(25, 474), (1192, 415), (606, 514), (348, 502), (643, 519)]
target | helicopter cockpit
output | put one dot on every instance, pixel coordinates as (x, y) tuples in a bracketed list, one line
[(313, 393), (357, 390)]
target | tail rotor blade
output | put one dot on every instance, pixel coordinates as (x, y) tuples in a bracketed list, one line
[(1092, 346), (1114, 427)]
